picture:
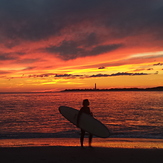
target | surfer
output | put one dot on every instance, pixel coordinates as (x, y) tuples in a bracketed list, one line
[(84, 109)]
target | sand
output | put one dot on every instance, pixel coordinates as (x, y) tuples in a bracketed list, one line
[(65, 154), (111, 150)]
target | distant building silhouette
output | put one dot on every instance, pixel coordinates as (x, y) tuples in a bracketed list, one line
[(160, 88), (95, 86)]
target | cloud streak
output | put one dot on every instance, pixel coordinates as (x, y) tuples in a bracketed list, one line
[(158, 64), (71, 76), (119, 74)]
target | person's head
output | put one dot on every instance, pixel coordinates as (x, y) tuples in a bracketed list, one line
[(86, 102)]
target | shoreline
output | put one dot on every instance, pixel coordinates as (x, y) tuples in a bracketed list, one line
[(68, 150), (160, 88), (130, 143), (157, 88)]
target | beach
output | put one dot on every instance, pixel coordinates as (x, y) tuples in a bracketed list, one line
[(69, 151), (65, 154)]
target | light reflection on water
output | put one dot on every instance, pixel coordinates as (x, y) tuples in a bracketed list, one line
[(129, 114), (97, 142)]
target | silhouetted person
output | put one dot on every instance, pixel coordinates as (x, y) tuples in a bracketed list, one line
[(84, 109)]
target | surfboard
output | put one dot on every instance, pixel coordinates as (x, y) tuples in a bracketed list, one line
[(87, 122)]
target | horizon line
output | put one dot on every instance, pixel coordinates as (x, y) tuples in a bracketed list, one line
[(91, 89)]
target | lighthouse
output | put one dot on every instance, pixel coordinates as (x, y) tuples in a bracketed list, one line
[(95, 86)]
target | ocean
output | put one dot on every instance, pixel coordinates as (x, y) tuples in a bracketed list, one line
[(127, 114)]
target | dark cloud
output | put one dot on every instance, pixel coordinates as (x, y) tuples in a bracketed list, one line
[(4, 72), (71, 50), (101, 67), (35, 20), (12, 56), (67, 50), (6, 56), (90, 39), (158, 64), (105, 48), (62, 75), (119, 74), (102, 75), (26, 20), (41, 75), (133, 17), (99, 75), (71, 76), (67, 76), (55, 75), (150, 69)]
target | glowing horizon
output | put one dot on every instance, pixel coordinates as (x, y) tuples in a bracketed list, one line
[(48, 45)]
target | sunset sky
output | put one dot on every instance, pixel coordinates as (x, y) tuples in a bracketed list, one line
[(50, 45)]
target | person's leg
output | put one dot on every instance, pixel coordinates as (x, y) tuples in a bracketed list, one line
[(90, 139), (82, 137)]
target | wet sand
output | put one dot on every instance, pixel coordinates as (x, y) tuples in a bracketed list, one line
[(97, 142), (68, 150), (74, 154)]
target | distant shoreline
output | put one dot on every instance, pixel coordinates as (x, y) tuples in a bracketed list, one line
[(160, 88), (115, 89)]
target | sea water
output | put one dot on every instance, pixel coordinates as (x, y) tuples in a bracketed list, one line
[(127, 114)]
